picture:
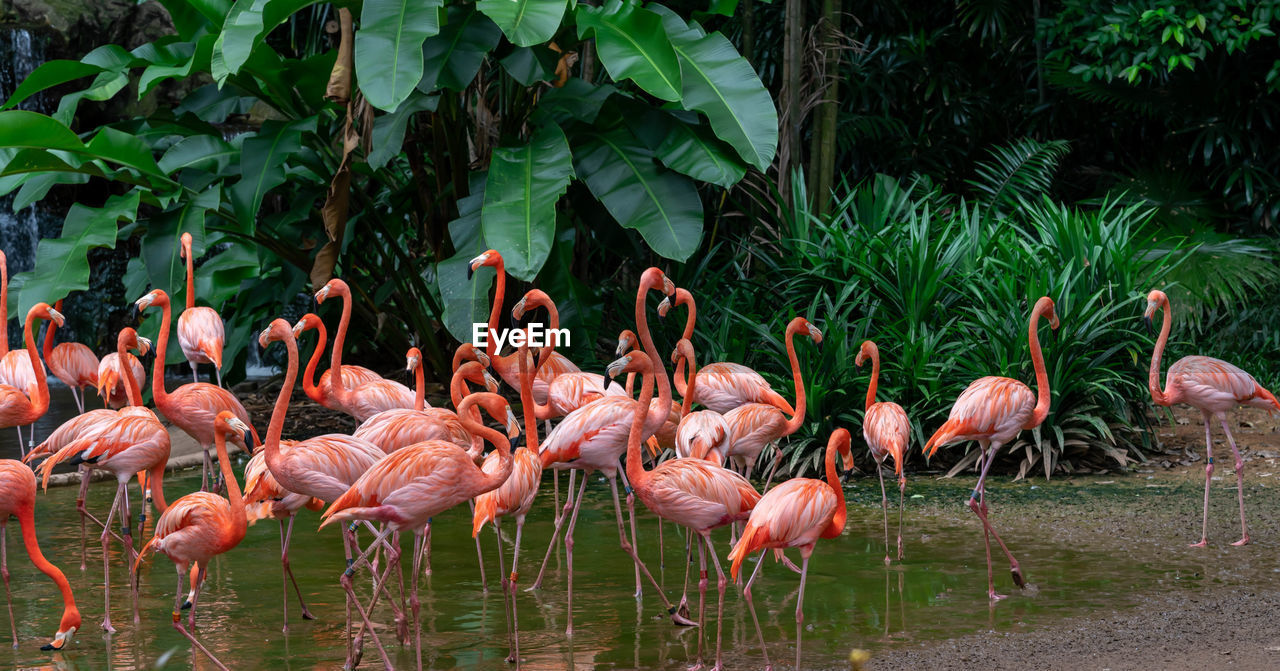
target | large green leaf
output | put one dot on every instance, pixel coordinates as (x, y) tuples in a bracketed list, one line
[(662, 205), (389, 48), (190, 16), (160, 245), (388, 129), (49, 75), (576, 100), (62, 264), (721, 84), (466, 301), (23, 129), (181, 60), (452, 58), (519, 214), (247, 26), (261, 160), (525, 22), (204, 152), (688, 148), (632, 45)]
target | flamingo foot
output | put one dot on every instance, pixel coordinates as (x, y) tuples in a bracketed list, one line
[(682, 620), (1018, 580), (511, 658), (887, 560), (1204, 543), (682, 608), (996, 597), (1242, 541), (696, 667), (106, 626), (788, 563), (306, 614)]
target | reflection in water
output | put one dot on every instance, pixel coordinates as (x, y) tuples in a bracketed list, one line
[(852, 600)]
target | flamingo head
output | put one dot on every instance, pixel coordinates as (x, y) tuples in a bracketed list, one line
[(156, 297), (867, 351), (684, 348), (227, 424), (66, 630), (1045, 307), (1155, 300), (681, 296), (840, 439), (43, 311), (626, 340), (334, 287), (488, 258), (635, 361), (413, 359), (184, 250), (653, 278), (129, 339), (800, 324), (309, 321), (278, 330)]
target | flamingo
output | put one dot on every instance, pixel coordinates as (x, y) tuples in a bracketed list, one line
[(703, 434), (414, 484), (135, 441), (723, 386), (271, 501), (755, 425), (887, 431), (513, 498), (508, 367), (322, 392), (566, 391), (111, 385), (693, 493), (18, 498), (201, 526), (16, 369), (323, 467), (594, 437), (796, 513), (993, 411), (20, 406), (192, 407), (71, 362), (200, 331), (368, 399), (1213, 387)]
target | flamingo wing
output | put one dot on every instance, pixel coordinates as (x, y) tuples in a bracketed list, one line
[(596, 434), (752, 427), (196, 405), (74, 364), (699, 494), (887, 432), (16, 371), (393, 429), (513, 496), (327, 466), (792, 514), (1216, 384), (201, 335), (409, 486), (724, 386), (990, 408), (701, 434)]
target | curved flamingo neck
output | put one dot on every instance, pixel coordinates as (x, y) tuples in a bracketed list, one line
[(658, 414), (131, 390), (47, 349), (683, 297), (499, 295), (155, 482), (1159, 396), (309, 375), (539, 298), (833, 479), (39, 403), (272, 443), (26, 520), (191, 276), (636, 475), (158, 392), (527, 405), (339, 340), (693, 379), (238, 515), (419, 387), (797, 419), (4, 304), (471, 422), (1043, 394), (875, 377)]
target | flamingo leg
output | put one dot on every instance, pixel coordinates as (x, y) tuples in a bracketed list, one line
[(980, 494), (353, 653), (8, 596), (514, 657), (884, 507), (195, 594), (1208, 475), (205, 468), (746, 592), (555, 535), (415, 607), (568, 549), (777, 458), (626, 547), (402, 613), (662, 555), (980, 507), (177, 623), (902, 491), (484, 583), (804, 574), (683, 606), (22, 447), (195, 375), (286, 538), (426, 549), (106, 563), (126, 527), (345, 580), (631, 514), (502, 578), (218, 374), (84, 513), (1244, 529), (79, 402), (702, 603), (721, 583)]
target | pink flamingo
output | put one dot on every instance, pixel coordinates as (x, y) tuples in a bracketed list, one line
[(887, 431), (201, 526), (755, 425), (693, 493), (21, 406), (323, 467), (513, 498), (993, 411), (414, 484), (1213, 387), (796, 513), (369, 399), (18, 498), (594, 437), (703, 434), (322, 392), (111, 386), (16, 369), (723, 386), (71, 362), (508, 367), (200, 331), (192, 407), (566, 391), (271, 501)]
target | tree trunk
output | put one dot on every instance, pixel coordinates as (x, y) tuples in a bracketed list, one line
[(822, 151), (789, 154)]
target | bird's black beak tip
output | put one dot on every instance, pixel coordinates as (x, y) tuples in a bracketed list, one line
[(1147, 320), (517, 442), (47, 647), (470, 272)]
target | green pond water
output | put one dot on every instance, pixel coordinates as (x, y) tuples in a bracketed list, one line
[(852, 601)]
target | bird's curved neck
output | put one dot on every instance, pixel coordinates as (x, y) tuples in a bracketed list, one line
[(191, 279), (553, 316), (875, 379), (309, 387), (158, 392), (272, 443), (233, 487), (473, 426), (155, 482), (40, 402), (499, 295), (658, 414), (693, 381), (527, 404), (131, 390), (26, 519), (636, 475), (339, 340), (678, 378), (47, 349), (1160, 396), (797, 419), (4, 306), (419, 388), (833, 480), (1043, 394)]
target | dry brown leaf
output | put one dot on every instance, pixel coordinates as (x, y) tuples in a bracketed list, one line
[(339, 89)]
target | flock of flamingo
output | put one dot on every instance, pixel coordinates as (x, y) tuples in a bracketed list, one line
[(408, 462)]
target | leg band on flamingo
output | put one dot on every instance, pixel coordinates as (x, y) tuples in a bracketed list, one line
[(1210, 460), (974, 495)]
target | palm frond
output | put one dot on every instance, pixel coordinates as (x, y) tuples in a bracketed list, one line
[(1023, 170)]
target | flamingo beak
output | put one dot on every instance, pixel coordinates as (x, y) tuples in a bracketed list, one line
[(664, 307), (668, 287), (616, 367), (144, 302), (411, 364), (322, 294), (1146, 319), (475, 263), (624, 344), (264, 338), (144, 345), (483, 358), (299, 327), (513, 427), (57, 317), (490, 383)]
